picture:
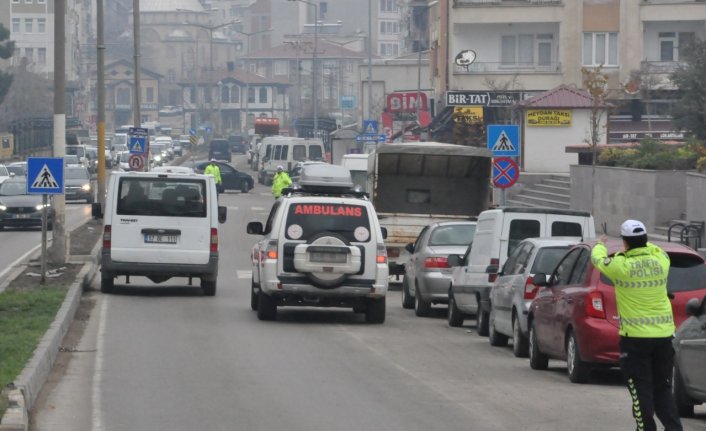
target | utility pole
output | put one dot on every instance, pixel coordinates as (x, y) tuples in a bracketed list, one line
[(58, 247), (314, 65), (100, 90), (370, 59), (137, 118)]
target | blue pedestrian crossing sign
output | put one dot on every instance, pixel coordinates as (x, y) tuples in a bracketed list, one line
[(504, 140), (45, 175), (370, 127), (138, 140)]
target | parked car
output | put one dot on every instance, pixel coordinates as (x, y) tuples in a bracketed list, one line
[(428, 274), (574, 316), (15, 166), (238, 144), (219, 149), (4, 173), (689, 382), (514, 289), (497, 234), (20, 209), (231, 178), (77, 184)]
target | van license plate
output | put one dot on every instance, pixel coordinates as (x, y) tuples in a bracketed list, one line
[(161, 239), (328, 257)]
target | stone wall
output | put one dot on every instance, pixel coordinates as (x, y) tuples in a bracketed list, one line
[(695, 197)]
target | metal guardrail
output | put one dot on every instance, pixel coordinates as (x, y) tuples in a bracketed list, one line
[(690, 234)]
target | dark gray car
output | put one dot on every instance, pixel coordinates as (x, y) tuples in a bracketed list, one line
[(77, 184), (427, 275), (689, 382)]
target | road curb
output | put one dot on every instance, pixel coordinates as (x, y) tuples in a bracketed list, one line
[(32, 378)]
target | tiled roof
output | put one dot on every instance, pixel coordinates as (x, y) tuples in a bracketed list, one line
[(326, 50), (240, 76), (563, 96)]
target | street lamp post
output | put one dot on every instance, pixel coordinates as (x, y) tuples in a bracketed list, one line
[(247, 82), (314, 63), (211, 29)]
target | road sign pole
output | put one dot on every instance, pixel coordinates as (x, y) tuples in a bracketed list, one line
[(44, 240), (502, 198)]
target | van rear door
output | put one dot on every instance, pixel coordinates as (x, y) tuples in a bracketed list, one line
[(161, 220)]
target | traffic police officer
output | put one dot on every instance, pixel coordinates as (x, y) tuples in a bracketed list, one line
[(213, 170), (639, 275), (280, 181)]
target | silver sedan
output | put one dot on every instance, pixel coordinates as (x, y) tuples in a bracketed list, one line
[(513, 290), (428, 275)]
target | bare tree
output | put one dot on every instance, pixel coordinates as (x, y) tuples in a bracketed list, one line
[(29, 96), (596, 83)]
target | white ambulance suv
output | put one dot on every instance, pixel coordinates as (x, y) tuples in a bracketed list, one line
[(322, 246), (160, 225)]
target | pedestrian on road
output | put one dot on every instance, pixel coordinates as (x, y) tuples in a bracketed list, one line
[(639, 275), (280, 181), (213, 170)]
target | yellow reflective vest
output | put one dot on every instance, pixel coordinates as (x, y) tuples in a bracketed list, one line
[(640, 279), (213, 170), (280, 181)]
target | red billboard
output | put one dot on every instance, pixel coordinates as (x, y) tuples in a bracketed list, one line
[(406, 102)]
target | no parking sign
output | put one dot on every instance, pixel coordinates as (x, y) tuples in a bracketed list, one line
[(505, 172)]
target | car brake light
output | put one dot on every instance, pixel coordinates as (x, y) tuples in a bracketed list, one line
[(214, 240), (106, 237), (594, 305), (436, 262), (530, 288), (271, 252), (493, 276), (381, 256)]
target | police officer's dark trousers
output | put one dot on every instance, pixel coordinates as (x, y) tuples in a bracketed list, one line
[(646, 364)]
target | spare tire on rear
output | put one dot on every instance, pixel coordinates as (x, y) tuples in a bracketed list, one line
[(326, 280)]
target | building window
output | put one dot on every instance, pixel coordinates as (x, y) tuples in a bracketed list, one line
[(281, 67), (42, 56), (672, 45), (29, 54), (225, 94), (251, 95), (171, 75), (122, 96), (41, 25), (388, 6), (263, 95), (517, 50), (15, 25), (29, 24), (252, 67), (235, 94), (150, 95), (41, 1), (600, 49), (389, 49), (28, 1), (15, 1), (389, 27)]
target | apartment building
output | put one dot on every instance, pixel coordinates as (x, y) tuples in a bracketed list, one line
[(520, 47)]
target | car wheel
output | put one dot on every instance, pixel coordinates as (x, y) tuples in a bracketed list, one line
[(253, 295), (578, 370), (455, 316), (244, 187), (266, 307), (520, 343), (685, 404), (107, 282), (208, 287), (376, 310), (422, 307), (494, 337), (407, 298), (537, 359), (482, 322)]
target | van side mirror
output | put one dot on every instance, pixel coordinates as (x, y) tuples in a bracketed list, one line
[(455, 260), (540, 279), (96, 210), (409, 247), (222, 214), (384, 232), (693, 307), (492, 269), (255, 228)]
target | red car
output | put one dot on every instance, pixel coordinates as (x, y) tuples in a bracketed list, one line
[(574, 316)]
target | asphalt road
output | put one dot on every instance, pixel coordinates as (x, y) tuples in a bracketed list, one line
[(24, 240), (153, 357)]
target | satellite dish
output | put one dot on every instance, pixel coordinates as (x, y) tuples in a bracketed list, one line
[(465, 58)]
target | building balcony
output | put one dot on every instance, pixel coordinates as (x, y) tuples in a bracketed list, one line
[(493, 68), (464, 3), (660, 67)]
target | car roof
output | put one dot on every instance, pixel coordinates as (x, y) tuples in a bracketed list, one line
[(615, 245), (454, 222), (554, 241)]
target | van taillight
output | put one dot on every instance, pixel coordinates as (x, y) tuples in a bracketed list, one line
[(381, 256), (493, 276), (594, 305), (530, 289), (436, 262), (106, 237), (214, 240), (271, 251), (393, 251)]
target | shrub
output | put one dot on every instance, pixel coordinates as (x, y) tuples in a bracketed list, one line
[(652, 154)]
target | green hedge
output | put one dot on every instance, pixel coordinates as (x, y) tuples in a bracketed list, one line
[(652, 154)]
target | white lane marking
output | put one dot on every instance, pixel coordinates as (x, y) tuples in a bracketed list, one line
[(244, 273), (19, 260), (96, 417), (257, 209), (230, 208)]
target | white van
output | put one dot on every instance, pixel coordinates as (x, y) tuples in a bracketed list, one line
[(360, 166), (498, 232), (160, 225), (286, 151)]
